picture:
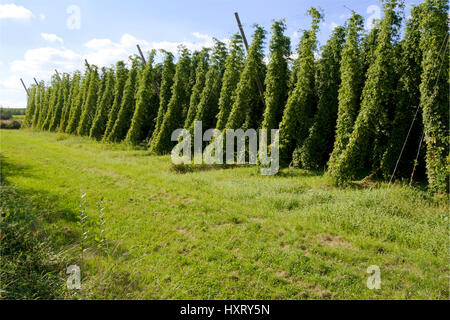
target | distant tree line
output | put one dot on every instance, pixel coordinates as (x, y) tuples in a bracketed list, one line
[(8, 113)]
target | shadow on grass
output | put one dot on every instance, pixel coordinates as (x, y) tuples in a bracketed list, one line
[(41, 200), (187, 168), (36, 250), (32, 267), (294, 173)]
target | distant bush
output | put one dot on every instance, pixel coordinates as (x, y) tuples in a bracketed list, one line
[(10, 124)]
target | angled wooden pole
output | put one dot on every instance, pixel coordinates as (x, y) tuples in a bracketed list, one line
[(87, 65), (141, 54), (25, 87), (35, 81), (155, 85), (244, 38), (236, 15)]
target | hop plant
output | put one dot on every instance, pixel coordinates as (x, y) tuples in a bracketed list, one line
[(302, 103), (168, 73), (31, 106), (208, 105), (121, 79), (201, 70), (277, 76), (318, 146), (123, 122), (233, 68), (352, 77), (434, 93), (77, 105), (147, 102), (368, 140), (99, 124), (63, 93), (90, 104), (173, 118), (248, 106)]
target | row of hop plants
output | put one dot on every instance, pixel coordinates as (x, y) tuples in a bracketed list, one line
[(346, 107)]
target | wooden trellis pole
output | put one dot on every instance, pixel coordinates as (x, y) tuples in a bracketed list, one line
[(236, 15), (87, 65), (244, 38), (155, 85), (141, 54), (25, 87), (35, 81)]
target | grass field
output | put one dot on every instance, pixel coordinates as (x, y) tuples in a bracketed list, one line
[(222, 233)]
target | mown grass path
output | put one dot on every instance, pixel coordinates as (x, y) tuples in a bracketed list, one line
[(227, 233)]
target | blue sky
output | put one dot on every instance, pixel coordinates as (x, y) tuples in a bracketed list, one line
[(40, 35)]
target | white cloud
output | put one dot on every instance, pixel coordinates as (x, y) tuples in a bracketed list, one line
[(12, 82), (42, 62), (98, 43), (14, 98), (206, 42), (12, 11), (50, 37), (331, 25), (104, 52), (42, 17)]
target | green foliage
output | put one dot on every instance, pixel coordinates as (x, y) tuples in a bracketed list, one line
[(147, 101), (233, 68), (44, 109), (367, 142), (302, 103), (315, 151), (63, 92), (52, 104), (90, 104), (434, 93), (77, 104), (248, 106), (121, 79), (368, 47), (39, 104), (173, 119), (352, 80), (168, 73), (123, 122), (209, 99), (407, 102), (74, 87), (101, 117), (30, 268), (277, 76), (201, 70), (31, 106)]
